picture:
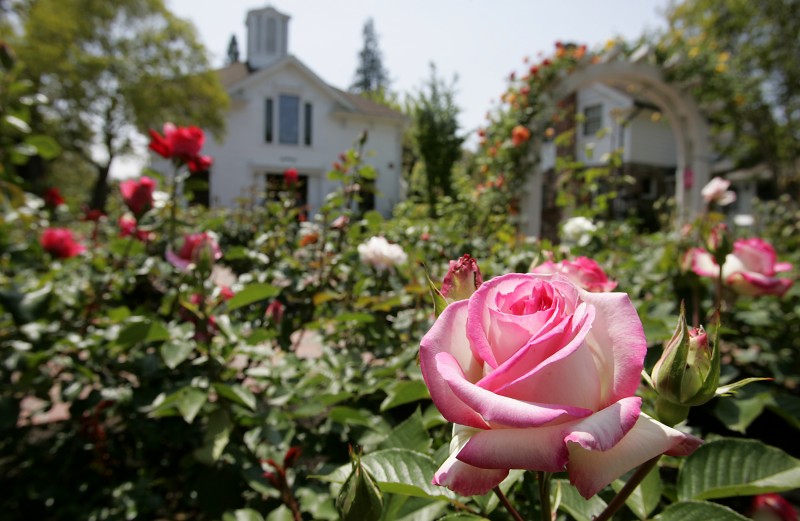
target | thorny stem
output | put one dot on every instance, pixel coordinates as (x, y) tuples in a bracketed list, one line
[(504, 500), (626, 491)]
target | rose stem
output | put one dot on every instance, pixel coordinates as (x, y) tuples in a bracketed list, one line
[(504, 500), (626, 491), (544, 495)]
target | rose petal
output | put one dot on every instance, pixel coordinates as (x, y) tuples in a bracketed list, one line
[(545, 448), (448, 336), (461, 477), (591, 470), (703, 263), (756, 284), (498, 409), (617, 343)]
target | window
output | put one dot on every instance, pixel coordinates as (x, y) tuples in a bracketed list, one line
[(592, 119), (271, 35), (307, 124), (289, 119), (268, 120)]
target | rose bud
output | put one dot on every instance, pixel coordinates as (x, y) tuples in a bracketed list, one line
[(772, 507), (687, 374), (719, 243), (462, 279)]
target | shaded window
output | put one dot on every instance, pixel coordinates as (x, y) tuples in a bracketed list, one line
[(307, 124), (271, 35), (268, 120), (289, 117), (592, 119)]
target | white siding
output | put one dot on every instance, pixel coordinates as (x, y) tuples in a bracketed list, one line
[(650, 141)]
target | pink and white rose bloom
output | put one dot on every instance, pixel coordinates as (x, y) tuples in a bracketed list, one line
[(716, 191), (539, 374), (750, 269), (582, 271)]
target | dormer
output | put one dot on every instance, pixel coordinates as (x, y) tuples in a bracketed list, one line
[(267, 36)]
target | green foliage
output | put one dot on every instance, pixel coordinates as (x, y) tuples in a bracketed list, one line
[(114, 69), (436, 139), (371, 76)]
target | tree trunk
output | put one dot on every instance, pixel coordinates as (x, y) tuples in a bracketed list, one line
[(100, 190)]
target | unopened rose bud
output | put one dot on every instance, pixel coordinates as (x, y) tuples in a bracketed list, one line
[(462, 279), (687, 374)]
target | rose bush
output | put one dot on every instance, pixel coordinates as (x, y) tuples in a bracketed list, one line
[(538, 374)]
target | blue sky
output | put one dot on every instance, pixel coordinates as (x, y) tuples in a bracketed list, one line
[(479, 40)]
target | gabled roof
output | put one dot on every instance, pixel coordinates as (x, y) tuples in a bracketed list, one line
[(238, 75)]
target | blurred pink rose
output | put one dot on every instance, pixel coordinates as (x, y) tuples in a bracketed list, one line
[(182, 143), (716, 191), (750, 269), (129, 227), (60, 243), (582, 271), (138, 194), (772, 507), (196, 248), (538, 374), (462, 279)]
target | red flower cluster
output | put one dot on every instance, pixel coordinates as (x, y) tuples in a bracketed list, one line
[(129, 227), (138, 194), (519, 135), (60, 243), (182, 144), (290, 176), (52, 197)]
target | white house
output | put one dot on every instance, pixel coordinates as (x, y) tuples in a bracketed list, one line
[(282, 116)]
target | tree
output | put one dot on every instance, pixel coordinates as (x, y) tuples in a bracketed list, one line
[(371, 76), (115, 68), (756, 44), (435, 133)]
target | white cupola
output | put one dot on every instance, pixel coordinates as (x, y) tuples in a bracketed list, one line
[(267, 36)]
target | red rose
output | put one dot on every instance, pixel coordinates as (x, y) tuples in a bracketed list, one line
[(52, 197), (290, 176), (138, 194), (196, 248), (182, 143), (60, 243)]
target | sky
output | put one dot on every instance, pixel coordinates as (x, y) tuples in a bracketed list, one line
[(478, 42)]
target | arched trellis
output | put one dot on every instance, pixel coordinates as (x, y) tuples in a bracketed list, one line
[(693, 144)]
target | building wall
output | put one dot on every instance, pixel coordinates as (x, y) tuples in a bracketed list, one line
[(592, 149), (650, 140), (243, 159)]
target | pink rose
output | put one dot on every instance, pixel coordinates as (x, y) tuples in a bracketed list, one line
[(582, 271), (538, 374), (197, 248), (750, 269), (716, 191), (60, 243), (182, 143), (138, 194)]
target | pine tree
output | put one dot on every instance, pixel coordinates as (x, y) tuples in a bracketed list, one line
[(371, 77)]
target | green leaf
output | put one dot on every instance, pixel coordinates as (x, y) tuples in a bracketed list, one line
[(190, 402), (363, 318), (644, 498), (142, 330), (175, 352), (787, 407), (26, 307), (410, 434), (698, 511), (439, 302), (736, 467), (351, 416), (252, 293), (737, 414), (573, 503), (216, 437), (398, 471), (402, 392), (243, 514), (237, 394), (46, 146)]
